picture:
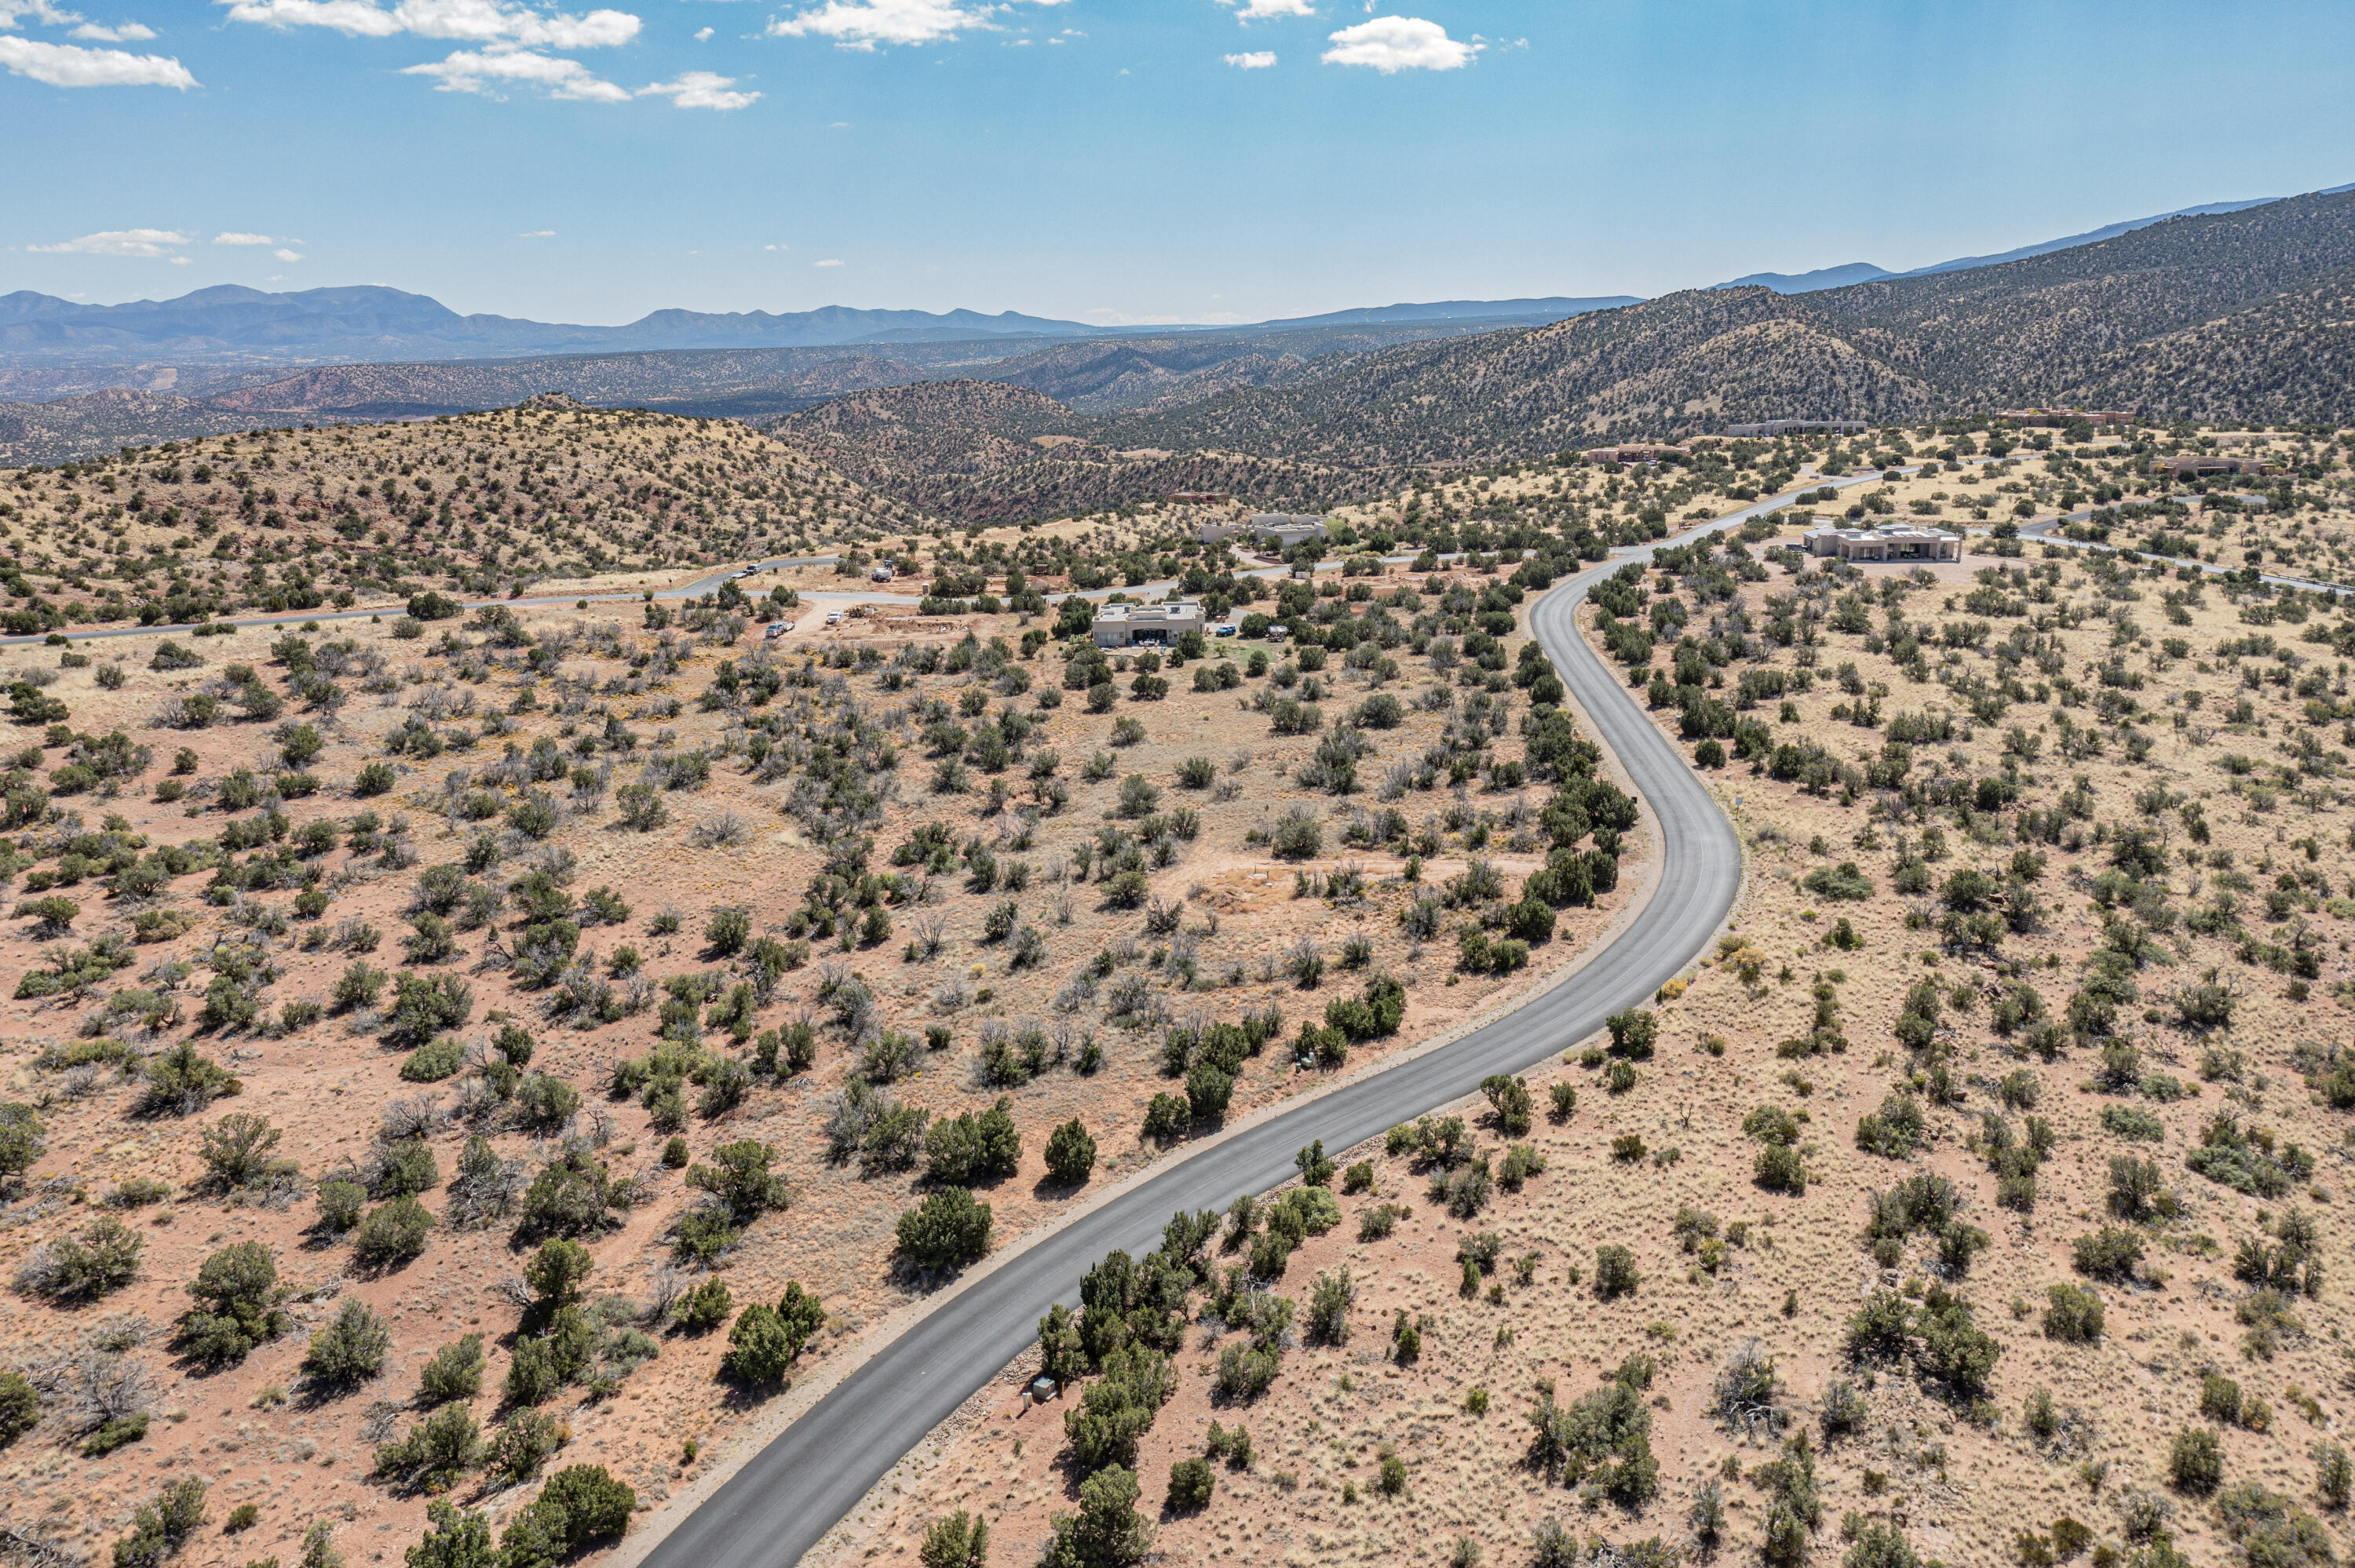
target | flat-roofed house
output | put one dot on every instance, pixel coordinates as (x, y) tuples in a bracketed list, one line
[(1890, 542), (1634, 451), (1799, 427), (1280, 529), (2204, 465), (1145, 625)]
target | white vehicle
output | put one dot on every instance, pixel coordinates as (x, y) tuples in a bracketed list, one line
[(778, 629), (882, 572), (834, 617)]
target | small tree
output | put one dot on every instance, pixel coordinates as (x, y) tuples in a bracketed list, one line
[(437, 1452), (959, 1540), (1070, 1153), (759, 1349), (1190, 1483), (948, 1229), (2195, 1464), (738, 1177), (1634, 1032), (591, 1505), (1614, 1272), (456, 1540), (20, 1407), (161, 1527), (102, 1259), (351, 1349), (21, 1140), (729, 928), (455, 1372), (393, 1232), (1108, 1533), (556, 1272), (237, 1306), (706, 1307), (424, 1006), (1509, 1098), (1328, 1306)]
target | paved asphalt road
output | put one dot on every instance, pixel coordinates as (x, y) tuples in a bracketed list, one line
[(784, 1500)]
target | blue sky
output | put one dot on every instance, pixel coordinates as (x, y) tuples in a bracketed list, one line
[(1117, 160)]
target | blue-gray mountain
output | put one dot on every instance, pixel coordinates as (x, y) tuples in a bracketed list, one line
[(1866, 272), (2238, 314)]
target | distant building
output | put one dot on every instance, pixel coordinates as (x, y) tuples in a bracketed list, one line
[(1633, 452), (1800, 427), (2203, 465), (1201, 497), (1889, 542), (2068, 416), (1280, 529), (1145, 625)]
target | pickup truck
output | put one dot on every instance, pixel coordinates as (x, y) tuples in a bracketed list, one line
[(834, 617), (778, 629)]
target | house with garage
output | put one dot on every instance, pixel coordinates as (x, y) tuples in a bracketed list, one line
[(1889, 542), (1145, 625)]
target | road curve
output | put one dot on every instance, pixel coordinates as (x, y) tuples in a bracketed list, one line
[(787, 1497)]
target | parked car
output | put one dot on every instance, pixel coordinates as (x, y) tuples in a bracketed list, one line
[(1278, 633), (1224, 629), (834, 617), (778, 629)]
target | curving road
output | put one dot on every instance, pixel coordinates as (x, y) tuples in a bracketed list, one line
[(784, 1500)]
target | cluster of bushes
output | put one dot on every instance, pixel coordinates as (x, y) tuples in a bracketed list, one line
[(1939, 1335), (1780, 1166), (1601, 1441)]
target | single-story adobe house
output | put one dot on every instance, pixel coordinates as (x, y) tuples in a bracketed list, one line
[(1799, 427), (1281, 529), (2206, 465), (1889, 542), (1145, 625)]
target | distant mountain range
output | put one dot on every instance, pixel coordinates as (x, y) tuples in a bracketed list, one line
[(372, 322), (231, 325), (44, 339), (2238, 310), (1841, 276)]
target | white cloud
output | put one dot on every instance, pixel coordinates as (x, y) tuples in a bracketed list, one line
[(776, 247), (148, 244), (128, 33), (1260, 10), (233, 237), (701, 89), (65, 64), (1393, 44), (468, 21), (537, 234), (285, 254), (486, 71), (863, 23), (827, 264), (1258, 60), (13, 11), (703, 34)]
